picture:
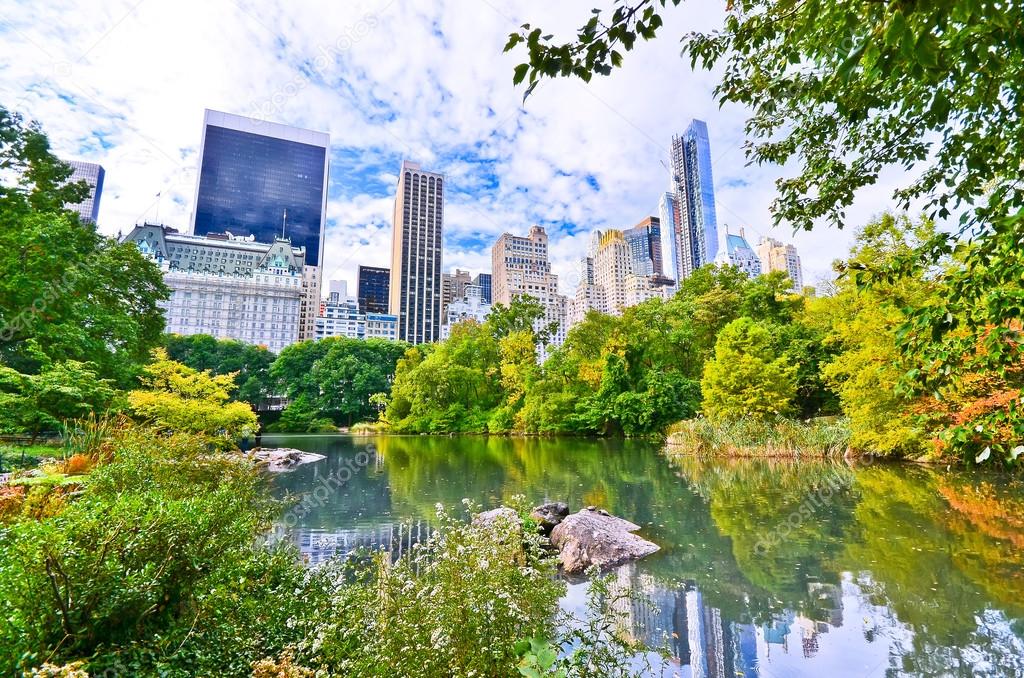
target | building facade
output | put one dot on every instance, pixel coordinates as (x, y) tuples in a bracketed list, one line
[(644, 242), (416, 246), (483, 281), (696, 232), (470, 307), (89, 209), (738, 252), (266, 180), (776, 256), (612, 265), (342, 316), (521, 266), (228, 286), (373, 284), (453, 287)]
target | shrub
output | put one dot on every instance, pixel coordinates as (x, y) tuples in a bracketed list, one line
[(746, 379), (12, 497), (78, 464), (455, 606)]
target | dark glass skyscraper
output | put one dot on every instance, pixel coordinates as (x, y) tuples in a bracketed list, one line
[(259, 178), (644, 242), (373, 284), (262, 179), (695, 240)]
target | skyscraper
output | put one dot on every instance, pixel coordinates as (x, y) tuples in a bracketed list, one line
[(416, 254), (696, 237), (91, 173), (269, 181), (372, 284), (671, 217), (644, 242)]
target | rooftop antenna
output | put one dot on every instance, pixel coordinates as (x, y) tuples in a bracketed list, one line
[(284, 222)]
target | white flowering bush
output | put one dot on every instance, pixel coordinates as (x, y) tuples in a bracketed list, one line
[(456, 605)]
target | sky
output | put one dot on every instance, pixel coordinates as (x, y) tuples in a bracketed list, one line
[(125, 84)]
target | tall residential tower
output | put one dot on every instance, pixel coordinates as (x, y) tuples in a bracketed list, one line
[(416, 254), (521, 266), (694, 236)]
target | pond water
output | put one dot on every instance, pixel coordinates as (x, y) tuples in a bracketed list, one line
[(766, 568)]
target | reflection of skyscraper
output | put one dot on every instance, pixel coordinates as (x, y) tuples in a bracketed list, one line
[(696, 234), (266, 180)]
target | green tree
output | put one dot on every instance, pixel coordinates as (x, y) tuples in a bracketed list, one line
[(179, 398), (746, 379), (861, 328), (59, 392), (250, 364), (66, 292), (330, 382)]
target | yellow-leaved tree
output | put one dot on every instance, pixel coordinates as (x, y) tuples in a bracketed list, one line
[(179, 398)]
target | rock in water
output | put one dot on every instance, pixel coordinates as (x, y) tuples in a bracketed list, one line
[(549, 515), (284, 458), (592, 538)]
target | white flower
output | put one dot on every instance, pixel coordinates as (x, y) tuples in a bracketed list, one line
[(985, 454), (1016, 452)]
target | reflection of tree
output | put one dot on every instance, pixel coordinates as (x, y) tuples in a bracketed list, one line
[(935, 568), (785, 520)]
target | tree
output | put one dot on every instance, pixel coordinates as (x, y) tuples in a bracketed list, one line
[(61, 392), (746, 379), (250, 364), (861, 325), (330, 382), (66, 292), (522, 315), (179, 398)]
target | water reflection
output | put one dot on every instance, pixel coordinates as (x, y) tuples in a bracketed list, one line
[(766, 568)]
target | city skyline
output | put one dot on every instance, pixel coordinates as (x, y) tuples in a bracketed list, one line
[(509, 166)]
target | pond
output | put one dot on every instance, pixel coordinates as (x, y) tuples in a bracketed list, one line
[(766, 568)]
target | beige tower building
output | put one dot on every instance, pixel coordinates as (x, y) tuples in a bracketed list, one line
[(521, 266), (776, 256), (416, 243)]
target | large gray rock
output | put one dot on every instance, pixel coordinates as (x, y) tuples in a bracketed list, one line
[(593, 537), (549, 515), (501, 516)]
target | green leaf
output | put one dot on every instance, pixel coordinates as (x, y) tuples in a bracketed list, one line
[(520, 74), (897, 29)]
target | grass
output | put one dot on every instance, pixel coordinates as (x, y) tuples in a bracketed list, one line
[(27, 456), (827, 437)]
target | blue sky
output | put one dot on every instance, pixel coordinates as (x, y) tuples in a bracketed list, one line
[(125, 84)]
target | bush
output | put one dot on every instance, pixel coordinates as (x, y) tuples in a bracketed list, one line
[(133, 557), (455, 606)]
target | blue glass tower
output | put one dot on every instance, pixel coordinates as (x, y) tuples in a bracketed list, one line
[(696, 239), (253, 172)]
